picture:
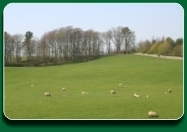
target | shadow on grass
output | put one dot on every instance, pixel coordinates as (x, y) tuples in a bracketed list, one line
[(108, 123)]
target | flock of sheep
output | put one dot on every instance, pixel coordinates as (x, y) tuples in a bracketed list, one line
[(47, 94), (136, 95)]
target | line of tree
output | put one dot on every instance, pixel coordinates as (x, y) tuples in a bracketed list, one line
[(66, 45), (165, 46)]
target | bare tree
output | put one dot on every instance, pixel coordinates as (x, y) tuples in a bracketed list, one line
[(43, 49), (129, 38), (107, 36), (61, 43), (7, 43), (118, 38), (18, 38)]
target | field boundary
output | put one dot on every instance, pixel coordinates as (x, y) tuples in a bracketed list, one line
[(161, 56)]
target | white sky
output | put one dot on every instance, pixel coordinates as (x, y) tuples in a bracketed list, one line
[(147, 20)]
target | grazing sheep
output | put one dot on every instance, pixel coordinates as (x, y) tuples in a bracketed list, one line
[(124, 86), (152, 114), (63, 89), (165, 92), (112, 92), (84, 93), (136, 95), (32, 85), (147, 96), (120, 84), (47, 94), (169, 90)]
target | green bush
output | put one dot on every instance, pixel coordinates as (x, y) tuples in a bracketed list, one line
[(154, 48), (164, 49), (177, 50)]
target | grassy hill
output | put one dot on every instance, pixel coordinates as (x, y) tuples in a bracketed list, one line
[(140, 74)]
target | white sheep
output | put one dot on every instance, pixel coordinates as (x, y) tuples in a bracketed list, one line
[(63, 89), (112, 92), (152, 114), (136, 95), (120, 84), (47, 94), (84, 93), (147, 96), (169, 90), (165, 92), (32, 85)]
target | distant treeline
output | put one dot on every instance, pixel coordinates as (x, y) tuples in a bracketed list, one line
[(71, 45), (65, 45), (165, 46)]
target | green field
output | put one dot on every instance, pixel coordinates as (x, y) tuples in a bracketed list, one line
[(141, 74)]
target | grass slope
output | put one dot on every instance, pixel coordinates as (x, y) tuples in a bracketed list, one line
[(141, 74)]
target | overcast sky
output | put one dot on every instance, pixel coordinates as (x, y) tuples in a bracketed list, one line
[(147, 20)]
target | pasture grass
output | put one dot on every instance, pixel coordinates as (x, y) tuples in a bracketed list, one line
[(141, 74)]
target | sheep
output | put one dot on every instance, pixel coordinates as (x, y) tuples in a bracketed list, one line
[(136, 95), (147, 96), (84, 93), (152, 114), (169, 90), (124, 86), (112, 92), (47, 94), (165, 92), (63, 89), (120, 84), (32, 85)]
